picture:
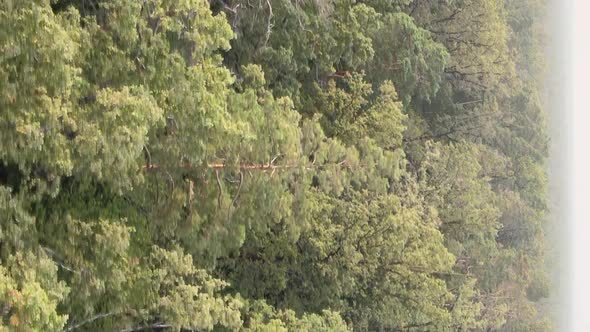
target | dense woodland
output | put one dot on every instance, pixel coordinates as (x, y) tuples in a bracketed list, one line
[(272, 165)]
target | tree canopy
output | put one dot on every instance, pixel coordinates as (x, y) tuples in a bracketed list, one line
[(277, 165)]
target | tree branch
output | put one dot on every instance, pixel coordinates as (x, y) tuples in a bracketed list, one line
[(55, 256), (145, 327), (90, 320)]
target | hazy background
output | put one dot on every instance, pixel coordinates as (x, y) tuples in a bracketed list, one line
[(559, 106), (567, 30), (578, 174)]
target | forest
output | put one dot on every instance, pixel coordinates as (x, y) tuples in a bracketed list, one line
[(273, 165)]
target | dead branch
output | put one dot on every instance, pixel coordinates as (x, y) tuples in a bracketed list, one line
[(148, 156), (90, 320), (58, 260), (147, 327), (219, 196), (269, 24), (189, 197)]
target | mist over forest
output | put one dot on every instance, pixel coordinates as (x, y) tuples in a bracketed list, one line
[(277, 165)]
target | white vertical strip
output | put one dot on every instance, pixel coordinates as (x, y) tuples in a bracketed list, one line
[(581, 168)]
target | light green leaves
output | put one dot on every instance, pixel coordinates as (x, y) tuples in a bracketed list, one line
[(30, 293), (110, 139)]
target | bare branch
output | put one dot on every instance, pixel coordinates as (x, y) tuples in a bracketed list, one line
[(148, 156), (90, 320), (146, 327), (269, 24), (219, 197), (57, 259)]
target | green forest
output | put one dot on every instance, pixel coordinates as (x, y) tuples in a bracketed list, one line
[(273, 165)]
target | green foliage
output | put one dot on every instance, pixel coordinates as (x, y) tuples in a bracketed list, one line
[(408, 55), (272, 165), (261, 317), (30, 293)]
